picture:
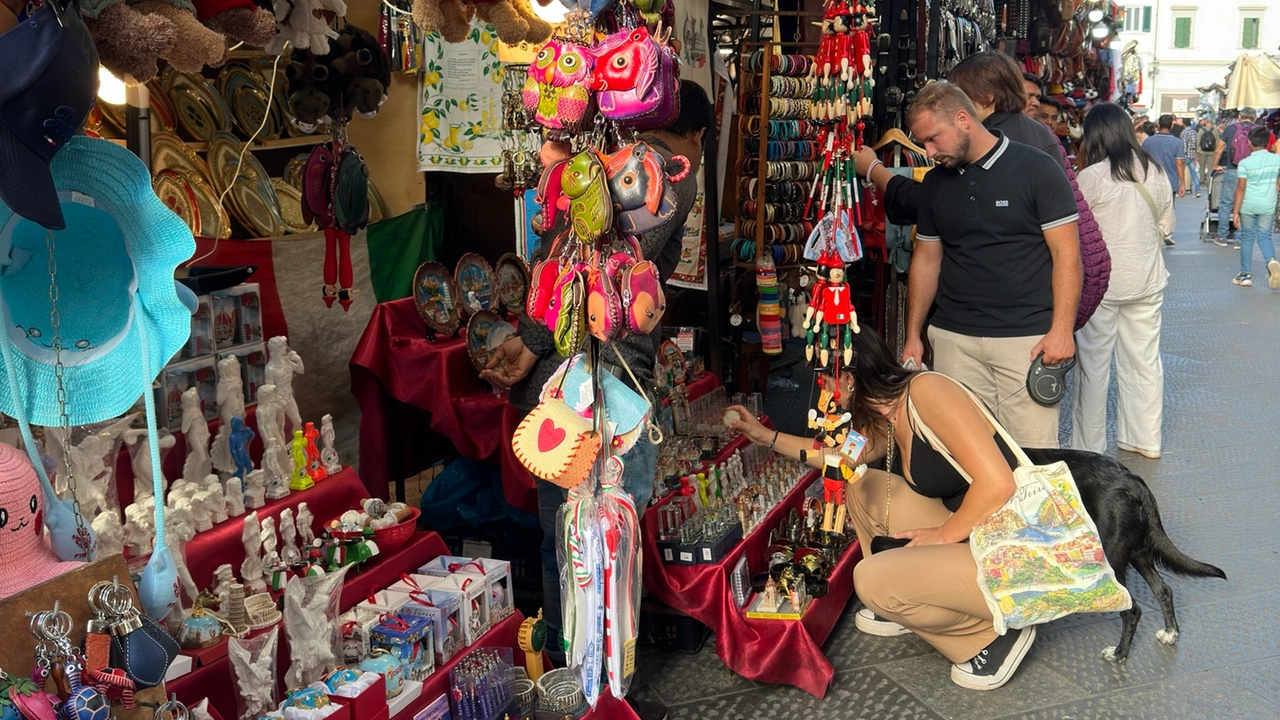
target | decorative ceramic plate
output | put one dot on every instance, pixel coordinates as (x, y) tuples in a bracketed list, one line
[(169, 152), (511, 276), (176, 194), (247, 93), (164, 118), (201, 112), (436, 296), (214, 222), (267, 70), (290, 199), (112, 116), (253, 200), (479, 329), (474, 279), (377, 206), (294, 168)]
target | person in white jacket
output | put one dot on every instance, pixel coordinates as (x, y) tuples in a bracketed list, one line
[(1132, 202)]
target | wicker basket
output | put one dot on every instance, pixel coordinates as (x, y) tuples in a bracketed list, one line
[(390, 538)]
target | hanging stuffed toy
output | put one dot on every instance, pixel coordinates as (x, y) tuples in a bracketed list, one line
[(129, 42), (831, 319), (304, 24), (195, 45), (240, 20)]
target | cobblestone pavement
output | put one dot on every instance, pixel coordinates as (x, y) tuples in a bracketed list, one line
[(1216, 489)]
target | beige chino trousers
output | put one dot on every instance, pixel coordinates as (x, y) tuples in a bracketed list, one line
[(931, 590)]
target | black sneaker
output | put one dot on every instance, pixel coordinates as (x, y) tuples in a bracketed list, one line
[(997, 662), (872, 624)]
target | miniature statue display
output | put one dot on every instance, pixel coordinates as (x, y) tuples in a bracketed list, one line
[(241, 436), (109, 531), (270, 417), (178, 531), (314, 469), (270, 543), (288, 538), (770, 599), (282, 364), (198, 504), (195, 430), (140, 459), (223, 578), (215, 499), (234, 497), (305, 521), (299, 479), (329, 453), (277, 480), (139, 527), (255, 490), (251, 568), (230, 399)]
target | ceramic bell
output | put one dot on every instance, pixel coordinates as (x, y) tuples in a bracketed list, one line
[(390, 667), (199, 630)]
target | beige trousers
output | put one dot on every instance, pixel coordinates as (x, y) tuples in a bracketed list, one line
[(931, 590), (996, 369)]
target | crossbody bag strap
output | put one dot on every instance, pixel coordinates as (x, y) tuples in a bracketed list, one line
[(917, 423), (1151, 203)]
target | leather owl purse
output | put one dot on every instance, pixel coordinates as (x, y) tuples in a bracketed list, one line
[(567, 315), (604, 302), (642, 191), (556, 444), (590, 208), (555, 94), (636, 80)]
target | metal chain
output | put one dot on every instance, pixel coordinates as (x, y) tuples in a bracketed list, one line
[(890, 447), (64, 422)]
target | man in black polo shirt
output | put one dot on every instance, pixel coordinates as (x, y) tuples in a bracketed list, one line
[(999, 255)]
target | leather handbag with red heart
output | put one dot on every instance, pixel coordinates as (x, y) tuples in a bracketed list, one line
[(636, 80), (556, 444)]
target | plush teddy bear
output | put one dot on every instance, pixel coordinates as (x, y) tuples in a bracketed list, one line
[(513, 21), (195, 45), (239, 20), (450, 18), (364, 63), (304, 24), (129, 43)]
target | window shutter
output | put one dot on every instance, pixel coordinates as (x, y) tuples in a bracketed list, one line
[(1250, 34), (1182, 32), (1146, 19)]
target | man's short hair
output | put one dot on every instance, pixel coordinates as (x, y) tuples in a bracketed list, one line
[(1148, 128), (941, 99), (696, 112), (1034, 80), (1248, 112), (1165, 121), (1259, 137), (991, 77)]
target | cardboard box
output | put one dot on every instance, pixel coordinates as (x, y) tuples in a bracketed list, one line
[(412, 690), (442, 611), (710, 552), (356, 624), (383, 601), (475, 607), (201, 657), (497, 575), (237, 315), (437, 710), (253, 367), (410, 638), (446, 565), (201, 341), (201, 374), (181, 665), (413, 583)]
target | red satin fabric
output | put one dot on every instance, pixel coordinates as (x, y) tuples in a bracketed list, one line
[(402, 381), (769, 651)]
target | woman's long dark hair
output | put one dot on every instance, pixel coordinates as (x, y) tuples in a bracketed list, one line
[(1109, 136), (878, 378)]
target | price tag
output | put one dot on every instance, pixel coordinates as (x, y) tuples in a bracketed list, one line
[(852, 448)]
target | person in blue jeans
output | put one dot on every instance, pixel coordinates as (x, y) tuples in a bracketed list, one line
[(1254, 208), (1189, 155), (1227, 164)]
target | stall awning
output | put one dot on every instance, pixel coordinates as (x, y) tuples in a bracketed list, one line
[(1255, 83)]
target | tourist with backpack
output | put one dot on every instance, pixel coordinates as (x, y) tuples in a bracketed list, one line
[(1206, 146), (1233, 146), (1188, 136)]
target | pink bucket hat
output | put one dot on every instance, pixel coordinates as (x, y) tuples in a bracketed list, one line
[(24, 548)]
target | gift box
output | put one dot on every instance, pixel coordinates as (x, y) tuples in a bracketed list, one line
[(475, 605), (411, 639), (412, 691), (416, 583), (370, 702), (201, 341), (710, 551), (497, 575), (383, 601), (253, 367), (442, 611), (237, 315), (201, 374), (356, 625), (446, 565)]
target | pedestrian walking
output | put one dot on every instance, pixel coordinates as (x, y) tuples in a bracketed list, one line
[(1255, 207)]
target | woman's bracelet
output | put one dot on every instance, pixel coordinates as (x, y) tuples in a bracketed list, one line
[(775, 440), (870, 169)]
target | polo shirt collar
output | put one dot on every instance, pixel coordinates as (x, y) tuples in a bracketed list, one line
[(987, 161)]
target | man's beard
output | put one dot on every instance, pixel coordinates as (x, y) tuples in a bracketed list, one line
[(960, 158)]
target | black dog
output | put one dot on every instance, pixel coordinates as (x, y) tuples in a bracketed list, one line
[(1129, 526)]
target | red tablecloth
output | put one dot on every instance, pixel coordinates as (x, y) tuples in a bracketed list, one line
[(771, 651), (394, 365)]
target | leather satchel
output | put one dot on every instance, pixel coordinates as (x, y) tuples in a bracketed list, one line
[(556, 444)]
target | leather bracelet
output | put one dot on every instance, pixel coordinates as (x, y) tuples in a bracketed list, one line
[(775, 440)]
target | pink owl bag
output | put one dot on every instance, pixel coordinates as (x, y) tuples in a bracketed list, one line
[(636, 80), (555, 95)]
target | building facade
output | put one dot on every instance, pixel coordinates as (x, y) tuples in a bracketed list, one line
[(1190, 44)]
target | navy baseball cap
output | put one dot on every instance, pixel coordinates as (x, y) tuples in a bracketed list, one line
[(49, 85)]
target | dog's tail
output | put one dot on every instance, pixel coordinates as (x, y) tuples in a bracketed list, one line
[(1169, 557)]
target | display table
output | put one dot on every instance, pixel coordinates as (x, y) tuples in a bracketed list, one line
[(403, 381), (771, 651)]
